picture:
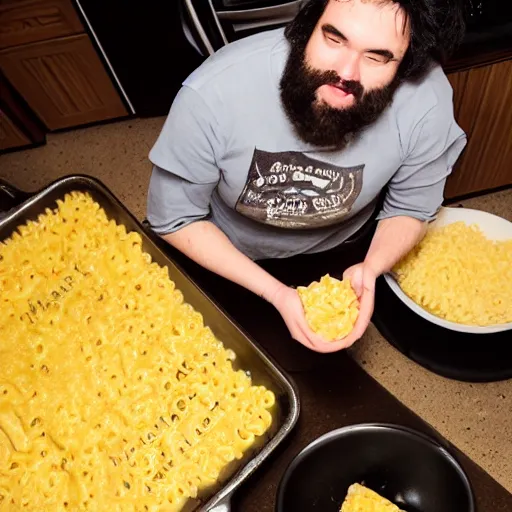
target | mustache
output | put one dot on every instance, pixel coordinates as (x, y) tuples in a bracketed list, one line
[(351, 87), (320, 78), (318, 123)]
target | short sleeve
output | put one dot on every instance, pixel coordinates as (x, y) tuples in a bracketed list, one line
[(417, 188), (185, 170)]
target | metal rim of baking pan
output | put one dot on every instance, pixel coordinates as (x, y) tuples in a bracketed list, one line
[(221, 499)]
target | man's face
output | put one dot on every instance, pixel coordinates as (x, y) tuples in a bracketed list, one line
[(363, 42), (346, 75)]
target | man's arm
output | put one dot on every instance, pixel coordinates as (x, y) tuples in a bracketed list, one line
[(393, 239), (413, 198), (208, 246)]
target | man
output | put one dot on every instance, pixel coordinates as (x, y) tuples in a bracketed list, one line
[(280, 144)]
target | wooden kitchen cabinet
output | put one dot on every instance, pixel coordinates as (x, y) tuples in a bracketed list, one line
[(63, 80), (19, 127), (10, 135), (28, 21), (50, 60), (483, 109)]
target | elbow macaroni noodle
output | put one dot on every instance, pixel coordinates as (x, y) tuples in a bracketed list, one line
[(113, 393), (456, 273), (331, 307)]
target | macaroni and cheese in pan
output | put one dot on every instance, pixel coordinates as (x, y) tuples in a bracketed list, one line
[(114, 395)]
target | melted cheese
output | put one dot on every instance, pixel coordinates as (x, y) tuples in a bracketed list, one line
[(114, 395), (331, 307), (362, 499)]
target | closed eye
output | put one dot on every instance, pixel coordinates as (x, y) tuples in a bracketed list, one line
[(333, 34), (379, 59), (380, 56)]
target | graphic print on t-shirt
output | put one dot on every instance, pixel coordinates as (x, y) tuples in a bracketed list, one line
[(292, 190)]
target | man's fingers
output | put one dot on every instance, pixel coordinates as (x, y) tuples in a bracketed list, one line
[(326, 347), (315, 342), (366, 304), (355, 276), (304, 335), (345, 342), (319, 344), (335, 346), (365, 314)]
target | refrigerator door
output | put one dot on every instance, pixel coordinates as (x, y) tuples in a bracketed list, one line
[(144, 47)]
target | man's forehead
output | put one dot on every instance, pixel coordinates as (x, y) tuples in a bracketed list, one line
[(385, 20)]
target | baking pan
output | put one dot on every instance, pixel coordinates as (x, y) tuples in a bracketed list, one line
[(249, 356)]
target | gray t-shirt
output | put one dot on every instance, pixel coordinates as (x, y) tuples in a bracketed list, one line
[(228, 153)]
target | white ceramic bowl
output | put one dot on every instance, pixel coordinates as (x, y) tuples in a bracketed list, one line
[(495, 228)]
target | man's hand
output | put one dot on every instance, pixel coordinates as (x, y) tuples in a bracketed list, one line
[(362, 278), (287, 301), (393, 239)]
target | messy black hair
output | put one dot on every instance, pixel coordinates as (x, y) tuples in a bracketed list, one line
[(437, 28)]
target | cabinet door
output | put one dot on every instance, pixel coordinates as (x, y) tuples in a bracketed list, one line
[(18, 125), (483, 109), (10, 135), (27, 21), (63, 81)]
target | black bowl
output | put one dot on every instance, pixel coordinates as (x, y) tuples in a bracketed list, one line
[(406, 467)]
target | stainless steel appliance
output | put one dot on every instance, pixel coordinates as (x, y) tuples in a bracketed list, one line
[(151, 47)]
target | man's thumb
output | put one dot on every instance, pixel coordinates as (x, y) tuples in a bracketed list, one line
[(356, 280)]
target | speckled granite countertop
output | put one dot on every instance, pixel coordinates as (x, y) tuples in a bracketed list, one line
[(477, 418)]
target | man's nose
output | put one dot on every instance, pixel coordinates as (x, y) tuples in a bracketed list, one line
[(348, 66)]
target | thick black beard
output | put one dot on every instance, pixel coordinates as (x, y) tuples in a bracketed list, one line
[(318, 123)]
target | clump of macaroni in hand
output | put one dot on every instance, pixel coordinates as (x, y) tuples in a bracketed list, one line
[(458, 274), (114, 395), (331, 307)]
